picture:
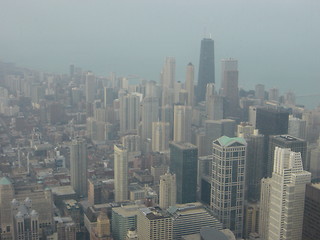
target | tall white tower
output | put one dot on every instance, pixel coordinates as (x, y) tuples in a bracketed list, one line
[(190, 84), (129, 113), (90, 87), (120, 173), (160, 136), (287, 193), (182, 123), (79, 166), (168, 190), (150, 114)]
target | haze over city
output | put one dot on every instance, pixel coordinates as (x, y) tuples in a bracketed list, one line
[(276, 42)]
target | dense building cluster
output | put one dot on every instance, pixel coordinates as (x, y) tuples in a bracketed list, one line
[(108, 157)]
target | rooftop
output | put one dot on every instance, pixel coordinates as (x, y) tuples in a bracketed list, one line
[(5, 181), (225, 141)]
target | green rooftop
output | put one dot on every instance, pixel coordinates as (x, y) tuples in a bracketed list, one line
[(5, 181), (227, 141)]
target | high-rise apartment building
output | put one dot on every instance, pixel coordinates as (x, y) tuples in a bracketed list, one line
[(311, 219), (206, 72), (228, 181), (288, 184), (78, 166), (120, 173), (297, 127), (183, 163), (229, 87), (190, 84), (264, 208), (154, 224), (129, 113), (182, 123), (259, 91), (214, 103), (167, 190), (160, 136)]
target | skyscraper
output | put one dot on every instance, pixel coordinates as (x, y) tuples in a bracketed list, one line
[(190, 84), (228, 180), (168, 81), (311, 219), (182, 123), (160, 136), (214, 103), (6, 196), (183, 163), (78, 166), (167, 190), (288, 184), (287, 141), (120, 173), (90, 87), (206, 72), (129, 113), (150, 114), (229, 87)]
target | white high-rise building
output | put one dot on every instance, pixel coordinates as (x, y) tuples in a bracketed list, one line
[(160, 136), (264, 208), (297, 127), (182, 123), (169, 72), (287, 193), (168, 190), (120, 173), (190, 84), (79, 166), (129, 113), (228, 182)]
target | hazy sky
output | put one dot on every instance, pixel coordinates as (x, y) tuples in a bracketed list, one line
[(277, 42)]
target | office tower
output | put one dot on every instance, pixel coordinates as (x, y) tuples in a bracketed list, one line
[(288, 184), (6, 196), (264, 208), (150, 114), (217, 128), (160, 136), (25, 220), (182, 123), (177, 89), (206, 72), (167, 115), (255, 157), (129, 113), (183, 163), (297, 127), (204, 178), (229, 87), (311, 218), (154, 224), (167, 190), (228, 180), (71, 70), (190, 218), (79, 166), (286, 141), (168, 80), (259, 91), (315, 162), (274, 94), (169, 72), (120, 173), (190, 84), (90, 87), (94, 191), (107, 96), (124, 218), (271, 121), (214, 103)]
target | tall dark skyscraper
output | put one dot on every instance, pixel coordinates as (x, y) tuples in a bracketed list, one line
[(184, 163), (206, 68)]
